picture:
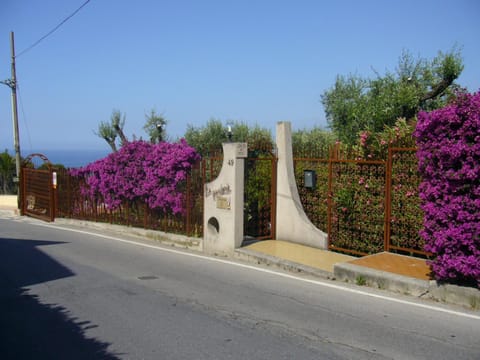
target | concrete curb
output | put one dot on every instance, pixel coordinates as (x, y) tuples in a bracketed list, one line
[(450, 294), (181, 241), (255, 257), (362, 275), (383, 280), (454, 294), (9, 213)]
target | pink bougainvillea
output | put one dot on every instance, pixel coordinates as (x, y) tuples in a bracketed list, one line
[(448, 142), (141, 171)]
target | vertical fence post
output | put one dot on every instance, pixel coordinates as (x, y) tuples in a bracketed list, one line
[(128, 205), (67, 193), (54, 198), (188, 202), (388, 200), (330, 195), (146, 215), (21, 191), (94, 207), (273, 199)]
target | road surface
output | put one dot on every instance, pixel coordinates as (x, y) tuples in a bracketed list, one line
[(70, 293)]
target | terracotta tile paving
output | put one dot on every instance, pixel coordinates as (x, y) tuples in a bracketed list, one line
[(324, 259), (397, 264)]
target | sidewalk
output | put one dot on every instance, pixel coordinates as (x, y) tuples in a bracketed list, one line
[(9, 204), (387, 271)]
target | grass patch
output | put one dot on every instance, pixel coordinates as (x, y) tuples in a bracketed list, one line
[(360, 280)]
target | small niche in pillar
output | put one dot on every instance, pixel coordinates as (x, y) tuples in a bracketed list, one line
[(213, 225)]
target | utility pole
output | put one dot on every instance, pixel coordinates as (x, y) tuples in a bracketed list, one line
[(12, 84), (16, 136)]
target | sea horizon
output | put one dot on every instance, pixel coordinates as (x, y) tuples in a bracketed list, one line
[(70, 158)]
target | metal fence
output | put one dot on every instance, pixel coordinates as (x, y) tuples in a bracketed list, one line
[(260, 191), (366, 206), (37, 193), (37, 198), (405, 217), (71, 203)]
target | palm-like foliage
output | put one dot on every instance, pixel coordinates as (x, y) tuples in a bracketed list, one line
[(7, 171)]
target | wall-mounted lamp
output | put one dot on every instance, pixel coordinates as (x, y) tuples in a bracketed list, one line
[(159, 131)]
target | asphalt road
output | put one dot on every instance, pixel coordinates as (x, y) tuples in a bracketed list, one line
[(66, 293)]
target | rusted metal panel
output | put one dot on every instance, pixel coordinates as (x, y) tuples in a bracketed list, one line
[(404, 217), (38, 194), (366, 206), (260, 193), (75, 202)]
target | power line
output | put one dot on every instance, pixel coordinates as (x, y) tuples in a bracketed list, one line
[(24, 117), (53, 30)]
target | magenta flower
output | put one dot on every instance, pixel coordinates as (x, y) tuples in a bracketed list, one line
[(141, 171), (448, 142)]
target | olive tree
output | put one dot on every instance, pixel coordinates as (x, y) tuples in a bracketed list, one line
[(109, 130), (356, 103)]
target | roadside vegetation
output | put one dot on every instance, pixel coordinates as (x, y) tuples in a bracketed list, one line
[(7, 173)]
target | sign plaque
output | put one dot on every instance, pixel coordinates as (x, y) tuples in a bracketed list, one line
[(242, 150), (223, 202)]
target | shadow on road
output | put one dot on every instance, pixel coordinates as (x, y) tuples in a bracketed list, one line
[(28, 328)]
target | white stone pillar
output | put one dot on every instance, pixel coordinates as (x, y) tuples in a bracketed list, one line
[(292, 223), (223, 203)]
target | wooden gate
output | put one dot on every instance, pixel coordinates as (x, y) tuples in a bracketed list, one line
[(260, 193), (38, 189)]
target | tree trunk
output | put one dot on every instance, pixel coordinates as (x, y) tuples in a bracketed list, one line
[(120, 133), (111, 142)]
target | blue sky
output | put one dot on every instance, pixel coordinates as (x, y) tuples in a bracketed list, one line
[(257, 61)]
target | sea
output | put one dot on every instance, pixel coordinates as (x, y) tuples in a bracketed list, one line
[(70, 158)]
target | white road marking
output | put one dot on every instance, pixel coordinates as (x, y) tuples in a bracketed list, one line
[(272, 272)]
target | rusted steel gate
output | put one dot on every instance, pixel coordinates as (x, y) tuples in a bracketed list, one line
[(38, 190), (260, 192), (401, 198), (356, 206), (366, 206)]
